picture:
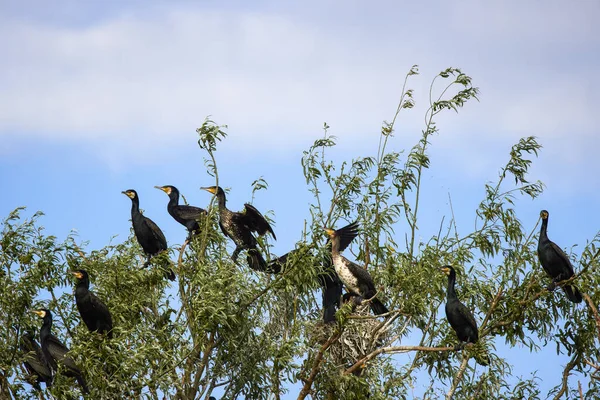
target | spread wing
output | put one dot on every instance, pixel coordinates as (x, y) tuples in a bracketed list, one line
[(347, 234), (190, 212), (156, 232), (563, 256), (256, 221)]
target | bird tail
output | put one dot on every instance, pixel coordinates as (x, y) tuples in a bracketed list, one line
[(83, 384), (256, 260), (378, 307), (573, 293), (170, 274), (331, 300), (167, 270)]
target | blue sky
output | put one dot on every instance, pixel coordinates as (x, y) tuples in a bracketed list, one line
[(98, 99)]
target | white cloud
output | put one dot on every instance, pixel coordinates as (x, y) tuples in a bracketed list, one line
[(275, 77)]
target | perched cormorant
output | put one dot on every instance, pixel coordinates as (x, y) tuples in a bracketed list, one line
[(56, 352), (187, 216), (35, 363), (555, 262), (356, 278), (330, 283), (147, 233), (93, 312), (238, 226), (459, 316)]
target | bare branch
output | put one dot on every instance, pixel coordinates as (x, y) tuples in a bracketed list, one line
[(458, 377)]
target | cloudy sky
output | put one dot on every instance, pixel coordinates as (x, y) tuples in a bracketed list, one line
[(99, 97)]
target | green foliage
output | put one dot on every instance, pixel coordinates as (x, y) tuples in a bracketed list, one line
[(252, 335)]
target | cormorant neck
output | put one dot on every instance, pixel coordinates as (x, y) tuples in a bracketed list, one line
[(173, 198), (82, 286), (543, 230), (45, 330), (335, 246), (135, 206), (451, 293), (221, 199)]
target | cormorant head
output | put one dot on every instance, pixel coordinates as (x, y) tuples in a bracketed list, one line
[(169, 190), (544, 214), (43, 313), (214, 190), (448, 270), (330, 232), (132, 194), (81, 275)]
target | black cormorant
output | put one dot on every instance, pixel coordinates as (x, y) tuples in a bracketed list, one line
[(94, 313), (56, 352), (459, 316), (35, 362), (187, 216), (555, 262), (238, 226), (357, 279), (147, 233)]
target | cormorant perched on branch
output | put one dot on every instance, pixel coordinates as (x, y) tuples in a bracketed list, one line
[(355, 277), (35, 363), (238, 226), (459, 316), (56, 352), (330, 283), (93, 312), (187, 216), (555, 262), (147, 233)]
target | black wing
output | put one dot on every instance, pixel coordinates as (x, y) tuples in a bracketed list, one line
[(466, 314), (102, 314), (256, 221), (189, 212), (347, 234), (570, 271), (59, 351), (35, 361), (365, 282), (156, 232)]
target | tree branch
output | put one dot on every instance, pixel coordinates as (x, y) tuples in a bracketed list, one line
[(594, 311), (317, 364), (392, 350), (570, 365), (458, 377)]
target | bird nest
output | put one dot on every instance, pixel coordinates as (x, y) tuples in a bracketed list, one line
[(361, 335)]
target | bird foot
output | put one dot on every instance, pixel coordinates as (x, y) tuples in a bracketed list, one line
[(551, 287), (459, 347)]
